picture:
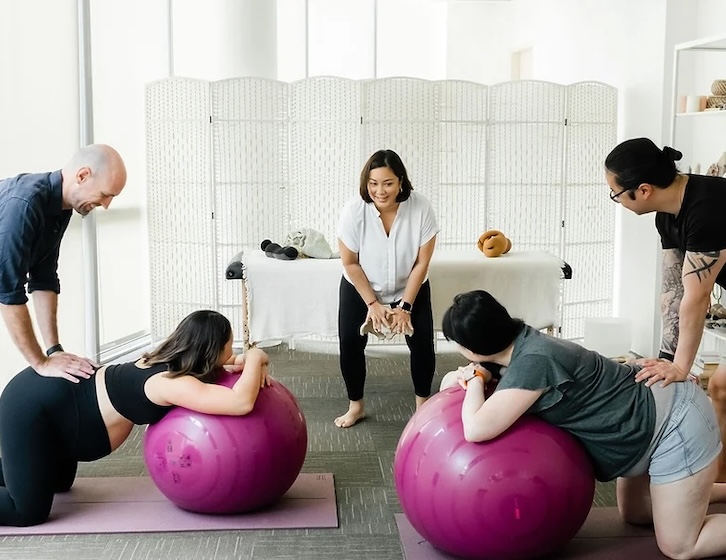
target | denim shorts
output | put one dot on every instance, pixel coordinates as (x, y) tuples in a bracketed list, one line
[(690, 439)]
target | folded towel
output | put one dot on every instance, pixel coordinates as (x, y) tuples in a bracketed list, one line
[(384, 333), (310, 243)]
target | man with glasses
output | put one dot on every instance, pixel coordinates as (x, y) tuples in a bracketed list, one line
[(689, 218)]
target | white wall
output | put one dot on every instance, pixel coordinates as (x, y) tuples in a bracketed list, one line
[(38, 120), (362, 39), (291, 40), (220, 39), (480, 45), (341, 38), (411, 39), (121, 70), (621, 43)]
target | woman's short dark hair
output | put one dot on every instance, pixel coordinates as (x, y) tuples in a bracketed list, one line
[(639, 160), (390, 159), (194, 346), (479, 323)]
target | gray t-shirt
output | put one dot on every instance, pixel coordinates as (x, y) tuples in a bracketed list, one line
[(595, 399)]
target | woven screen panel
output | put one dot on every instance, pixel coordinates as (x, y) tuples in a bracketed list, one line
[(588, 214), (527, 102), (575, 314), (250, 181), (593, 276), (177, 99), (250, 159), (592, 102), (461, 195), (324, 153), (325, 99), (180, 152), (461, 101), (180, 213), (187, 283), (525, 172), (236, 161), (234, 314), (400, 99), (179, 200), (167, 315), (250, 99)]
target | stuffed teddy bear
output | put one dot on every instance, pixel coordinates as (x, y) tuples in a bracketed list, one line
[(275, 251), (494, 243)]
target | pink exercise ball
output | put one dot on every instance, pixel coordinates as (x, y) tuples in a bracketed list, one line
[(522, 495), (228, 464)]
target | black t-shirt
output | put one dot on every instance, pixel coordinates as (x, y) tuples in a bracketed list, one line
[(700, 225)]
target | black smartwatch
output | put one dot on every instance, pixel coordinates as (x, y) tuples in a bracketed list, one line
[(53, 349), (405, 306)]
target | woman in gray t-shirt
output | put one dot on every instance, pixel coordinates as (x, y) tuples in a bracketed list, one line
[(660, 442)]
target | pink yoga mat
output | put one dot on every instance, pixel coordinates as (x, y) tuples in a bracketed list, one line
[(603, 537), (135, 505)]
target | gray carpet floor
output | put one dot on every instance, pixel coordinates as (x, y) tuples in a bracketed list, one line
[(361, 459)]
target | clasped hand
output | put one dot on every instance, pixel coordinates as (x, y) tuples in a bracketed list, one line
[(658, 369), (460, 375), (255, 357), (396, 319), (67, 366)]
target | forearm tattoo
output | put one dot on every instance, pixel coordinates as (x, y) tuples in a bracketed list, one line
[(701, 264), (671, 296)]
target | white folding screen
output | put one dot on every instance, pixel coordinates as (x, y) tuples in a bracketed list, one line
[(231, 163), (587, 211)]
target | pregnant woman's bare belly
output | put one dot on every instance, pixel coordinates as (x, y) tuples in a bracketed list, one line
[(117, 426)]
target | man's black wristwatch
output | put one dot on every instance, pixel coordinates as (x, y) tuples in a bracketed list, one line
[(53, 349), (405, 306)]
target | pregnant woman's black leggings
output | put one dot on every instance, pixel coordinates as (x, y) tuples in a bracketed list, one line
[(47, 425)]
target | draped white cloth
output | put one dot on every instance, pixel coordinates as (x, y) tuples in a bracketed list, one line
[(300, 298)]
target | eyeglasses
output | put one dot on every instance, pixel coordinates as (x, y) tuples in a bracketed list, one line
[(615, 196)]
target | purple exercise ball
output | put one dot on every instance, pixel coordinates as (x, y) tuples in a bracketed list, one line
[(522, 495), (228, 464)]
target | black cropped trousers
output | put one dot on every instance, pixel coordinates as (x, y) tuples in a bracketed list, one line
[(352, 312)]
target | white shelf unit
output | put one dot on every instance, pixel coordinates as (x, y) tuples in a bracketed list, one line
[(714, 340), (716, 43)]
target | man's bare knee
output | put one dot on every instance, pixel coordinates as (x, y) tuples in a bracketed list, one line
[(717, 386), (675, 550)]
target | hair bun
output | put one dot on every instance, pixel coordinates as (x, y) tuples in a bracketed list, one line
[(672, 154)]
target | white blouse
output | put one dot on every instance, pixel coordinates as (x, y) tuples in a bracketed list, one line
[(387, 260)]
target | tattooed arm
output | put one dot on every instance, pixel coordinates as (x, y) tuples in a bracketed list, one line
[(670, 299), (699, 275), (682, 322)]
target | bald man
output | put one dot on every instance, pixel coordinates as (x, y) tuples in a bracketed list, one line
[(35, 210)]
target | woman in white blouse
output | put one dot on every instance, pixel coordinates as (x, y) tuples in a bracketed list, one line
[(386, 238)]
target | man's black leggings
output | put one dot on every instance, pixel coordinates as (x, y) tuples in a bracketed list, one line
[(352, 311), (47, 425)]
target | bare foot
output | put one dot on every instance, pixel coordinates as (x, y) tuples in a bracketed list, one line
[(355, 414), (420, 401)]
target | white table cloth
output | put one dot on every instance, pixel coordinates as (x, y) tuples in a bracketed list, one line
[(300, 297)]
